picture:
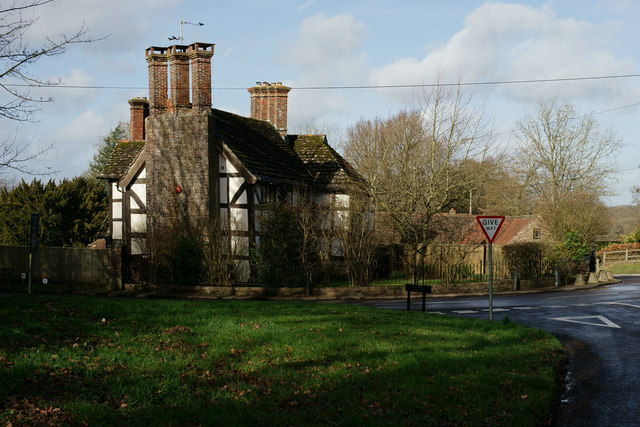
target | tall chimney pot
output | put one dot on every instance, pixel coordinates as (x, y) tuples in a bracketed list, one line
[(269, 103), (139, 112)]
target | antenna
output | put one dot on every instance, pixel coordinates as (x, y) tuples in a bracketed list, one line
[(180, 39)]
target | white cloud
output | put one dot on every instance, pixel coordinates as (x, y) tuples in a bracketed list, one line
[(327, 41), (121, 20), (328, 51), (306, 5), (74, 144), (515, 42)]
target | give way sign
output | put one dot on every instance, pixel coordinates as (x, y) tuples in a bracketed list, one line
[(490, 225)]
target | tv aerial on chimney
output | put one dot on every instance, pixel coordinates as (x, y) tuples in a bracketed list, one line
[(180, 39)]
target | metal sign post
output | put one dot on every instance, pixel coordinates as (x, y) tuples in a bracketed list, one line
[(34, 232), (490, 226)]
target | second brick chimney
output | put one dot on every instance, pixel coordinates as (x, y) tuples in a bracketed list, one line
[(269, 103), (139, 112)]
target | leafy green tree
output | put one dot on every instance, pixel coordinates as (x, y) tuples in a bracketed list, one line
[(105, 148), (574, 247), (71, 213), (16, 205)]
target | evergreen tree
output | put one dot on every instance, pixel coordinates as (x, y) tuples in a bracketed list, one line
[(105, 148), (71, 212)]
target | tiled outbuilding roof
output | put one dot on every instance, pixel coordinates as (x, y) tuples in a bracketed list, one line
[(328, 168), (123, 154), (464, 229)]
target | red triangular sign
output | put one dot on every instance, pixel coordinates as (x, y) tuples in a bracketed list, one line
[(490, 226)]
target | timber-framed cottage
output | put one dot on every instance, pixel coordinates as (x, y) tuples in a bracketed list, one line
[(188, 164)]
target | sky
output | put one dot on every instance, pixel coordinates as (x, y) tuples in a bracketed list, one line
[(340, 43)]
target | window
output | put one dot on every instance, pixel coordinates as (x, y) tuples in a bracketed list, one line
[(537, 233)]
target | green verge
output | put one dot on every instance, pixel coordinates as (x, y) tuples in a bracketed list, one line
[(625, 268), (100, 361)]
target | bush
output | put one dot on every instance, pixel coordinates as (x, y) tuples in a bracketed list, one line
[(633, 237), (277, 257), (527, 257), (190, 258), (187, 260), (574, 247), (619, 247)]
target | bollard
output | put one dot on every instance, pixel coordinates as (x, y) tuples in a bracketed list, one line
[(602, 276), (515, 278)]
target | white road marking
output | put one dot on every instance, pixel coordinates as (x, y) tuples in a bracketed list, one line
[(451, 302), (623, 303), (580, 319), (524, 308), (554, 306), (497, 309), (436, 312), (465, 311)]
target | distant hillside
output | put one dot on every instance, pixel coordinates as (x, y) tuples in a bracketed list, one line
[(624, 220)]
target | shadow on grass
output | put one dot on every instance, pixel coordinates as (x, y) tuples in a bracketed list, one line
[(238, 363)]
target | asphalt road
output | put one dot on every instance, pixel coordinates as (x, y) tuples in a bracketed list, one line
[(600, 328)]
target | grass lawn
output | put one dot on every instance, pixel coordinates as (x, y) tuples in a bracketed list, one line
[(625, 268), (100, 361)]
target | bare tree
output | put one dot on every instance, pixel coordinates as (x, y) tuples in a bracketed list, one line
[(415, 162), (16, 55), (580, 212), (562, 152), (354, 229), (16, 156), (635, 191)]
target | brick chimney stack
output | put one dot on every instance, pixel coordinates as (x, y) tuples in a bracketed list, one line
[(139, 112), (179, 78), (269, 103), (157, 60), (175, 62), (200, 55)]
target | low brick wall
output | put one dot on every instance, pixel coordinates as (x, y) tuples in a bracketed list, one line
[(253, 292)]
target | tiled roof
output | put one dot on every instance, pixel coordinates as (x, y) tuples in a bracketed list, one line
[(512, 226), (260, 148), (328, 168), (123, 154), (263, 152)]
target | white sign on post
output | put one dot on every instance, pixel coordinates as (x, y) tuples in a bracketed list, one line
[(490, 225)]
